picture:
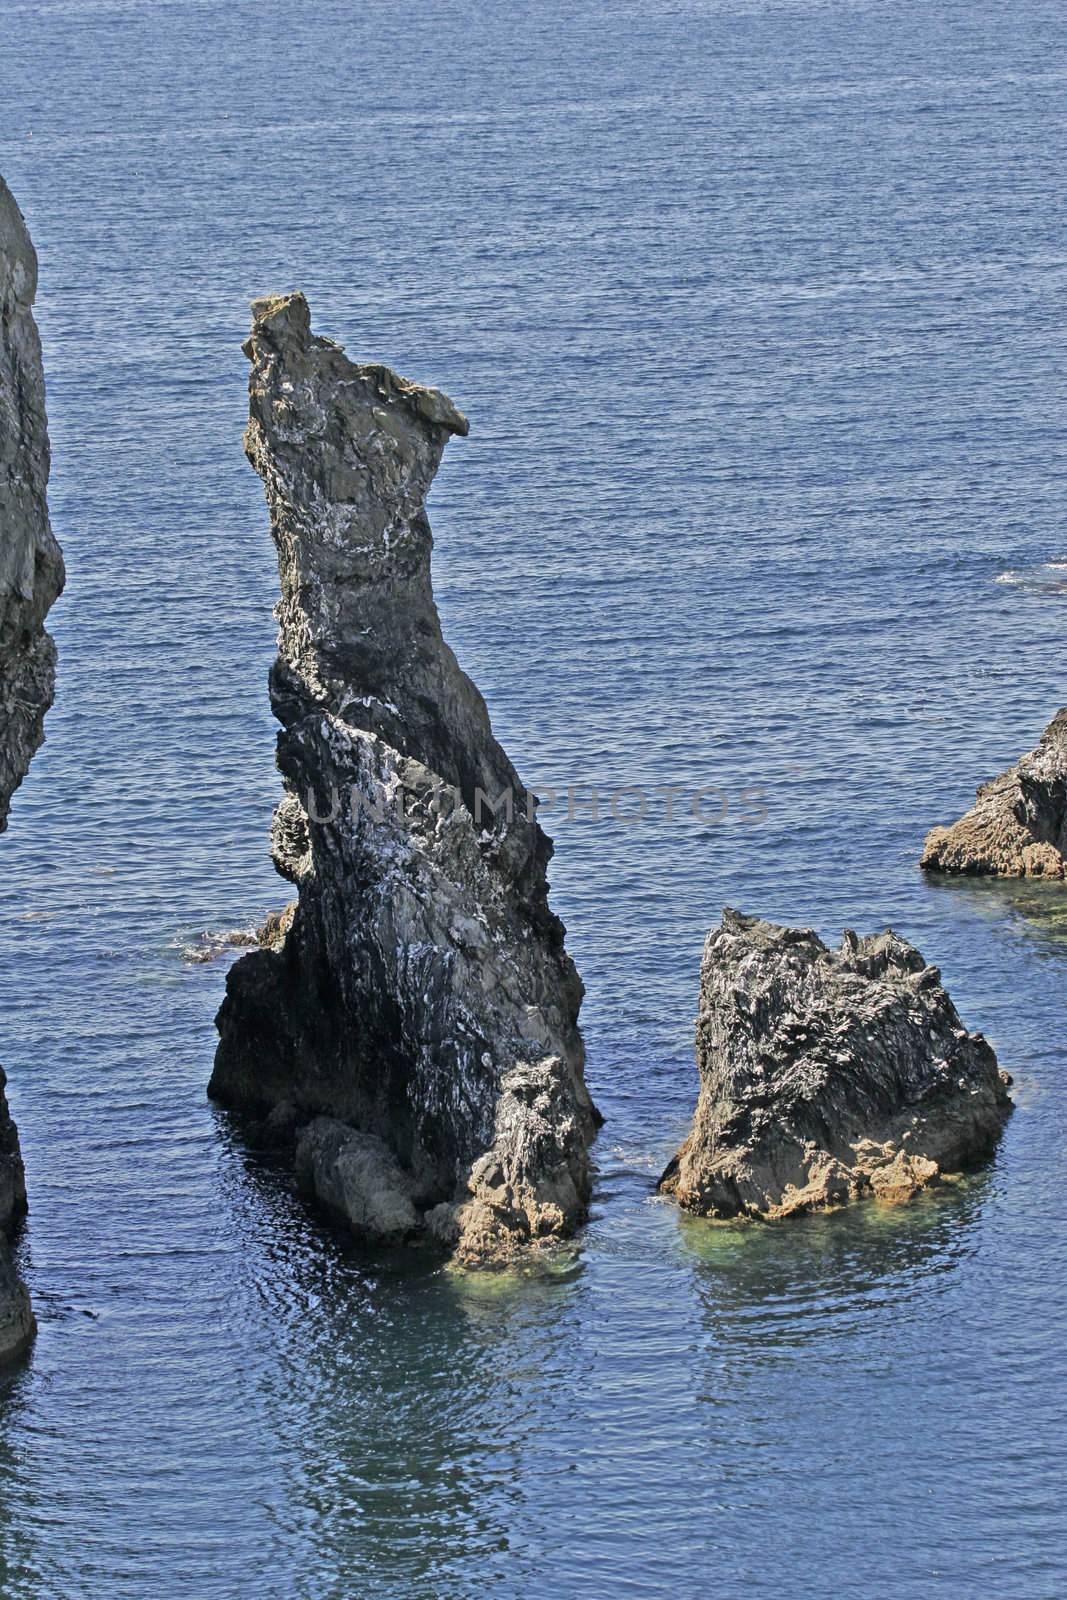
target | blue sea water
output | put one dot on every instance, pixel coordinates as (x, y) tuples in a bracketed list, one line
[(756, 307)]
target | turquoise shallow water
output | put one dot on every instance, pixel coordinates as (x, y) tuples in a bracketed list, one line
[(756, 309)]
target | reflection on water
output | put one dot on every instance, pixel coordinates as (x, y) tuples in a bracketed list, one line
[(769, 1287), (1039, 909), (402, 1389)]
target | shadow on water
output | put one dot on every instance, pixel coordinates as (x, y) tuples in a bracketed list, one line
[(401, 1389)]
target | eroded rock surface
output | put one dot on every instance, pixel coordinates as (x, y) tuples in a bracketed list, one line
[(1018, 827), (826, 1075), (420, 992), (31, 576)]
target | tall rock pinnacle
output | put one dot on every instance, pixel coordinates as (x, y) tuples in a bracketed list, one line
[(416, 1027)]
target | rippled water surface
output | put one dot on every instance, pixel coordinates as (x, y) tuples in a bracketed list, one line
[(757, 312)]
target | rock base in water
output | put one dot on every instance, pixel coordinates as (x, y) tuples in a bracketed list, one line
[(1018, 828), (826, 1075), (410, 1026)]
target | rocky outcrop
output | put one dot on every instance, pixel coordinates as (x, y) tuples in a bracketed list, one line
[(826, 1075), (274, 928), (413, 1022), (31, 566), (31, 576), (12, 1173), (16, 1314), (1018, 828)]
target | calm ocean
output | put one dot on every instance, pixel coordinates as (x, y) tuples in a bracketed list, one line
[(757, 311)]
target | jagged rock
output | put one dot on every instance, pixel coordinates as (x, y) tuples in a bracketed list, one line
[(420, 991), (828, 1074), (1018, 828), (31, 576)]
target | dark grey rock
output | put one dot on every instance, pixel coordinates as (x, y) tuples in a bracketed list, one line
[(826, 1075), (1018, 827), (420, 991), (17, 1322), (31, 566), (12, 1174), (31, 576)]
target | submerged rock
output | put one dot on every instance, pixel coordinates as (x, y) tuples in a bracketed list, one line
[(31, 576), (357, 1176), (1018, 828), (828, 1074), (420, 992)]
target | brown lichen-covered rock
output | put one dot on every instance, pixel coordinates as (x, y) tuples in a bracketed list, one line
[(420, 992), (31, 576), (826, 1075), (272, 931), (1018, 827)]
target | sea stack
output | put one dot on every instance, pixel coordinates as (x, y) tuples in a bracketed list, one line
[(412, 1028), (31, 576), (1018, 827), (827, 1075)]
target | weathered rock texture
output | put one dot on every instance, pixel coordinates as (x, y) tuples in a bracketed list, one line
[(31, 576), (414, 1024), (1018, 828), (828, 1074)]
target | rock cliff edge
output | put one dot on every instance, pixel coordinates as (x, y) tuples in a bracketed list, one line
[(31, 576)]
